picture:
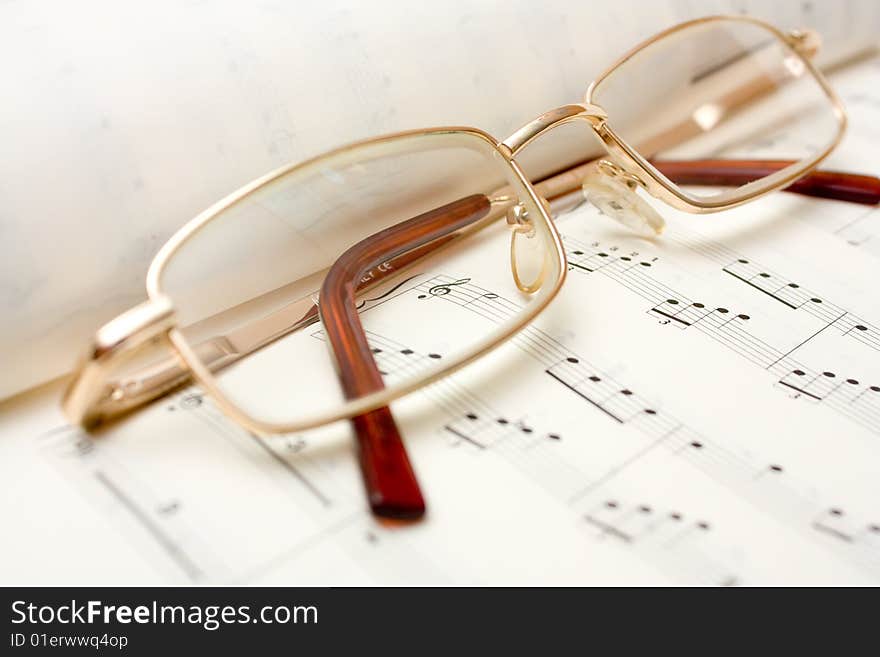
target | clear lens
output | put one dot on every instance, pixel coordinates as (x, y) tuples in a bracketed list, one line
[(723, 89), (246, 285)]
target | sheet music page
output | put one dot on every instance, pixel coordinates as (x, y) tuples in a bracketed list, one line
[(120, 129), (700, 408)]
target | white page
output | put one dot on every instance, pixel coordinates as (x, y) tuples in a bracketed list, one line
[(729, 472), (743, 473)]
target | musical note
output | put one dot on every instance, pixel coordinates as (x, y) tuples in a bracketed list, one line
[(682, 315), (772, 469), (786, 292), (768, 485), (836, 522), (730, 330), (393, 359), (169, 508), (870, 392), (638, 522), (668, 536), (83, 444), (488, 296), (483, 432), (594, 258), (589, 263), (295, 444), (794, 296), (618, 403), (860, 331), (827, 386), (815, 387)]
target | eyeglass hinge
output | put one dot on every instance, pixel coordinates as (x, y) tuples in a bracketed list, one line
[(806, 41)]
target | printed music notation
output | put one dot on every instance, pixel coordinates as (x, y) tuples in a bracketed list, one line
[(596, 258), (784, 290), (665, 536), (620, 404), (819, 386), (551, 454), (632, 522), (395, 361), (569, 421), (474, 423), (768, 486), (188, 521), (855, 399), (795, 297), (836, 522), (484, 431), (789, 294), (683, 315)]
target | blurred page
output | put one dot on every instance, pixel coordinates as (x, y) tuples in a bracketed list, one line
[(121, 124)]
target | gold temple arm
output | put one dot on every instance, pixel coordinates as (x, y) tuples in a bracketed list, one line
[(116, 343), (99, 392)]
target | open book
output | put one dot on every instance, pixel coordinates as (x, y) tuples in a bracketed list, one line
[(687, 410)]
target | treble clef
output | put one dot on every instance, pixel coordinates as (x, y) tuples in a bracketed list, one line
[(445, 288)]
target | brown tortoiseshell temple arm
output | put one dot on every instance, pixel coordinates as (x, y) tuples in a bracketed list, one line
[(391, 484), (834, 185)]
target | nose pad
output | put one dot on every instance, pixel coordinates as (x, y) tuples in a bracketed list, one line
[(528, 255), (613, 192)]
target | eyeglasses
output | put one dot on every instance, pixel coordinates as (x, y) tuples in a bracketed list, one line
[(292, 301)]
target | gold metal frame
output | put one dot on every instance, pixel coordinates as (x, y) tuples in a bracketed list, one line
[(94, 395), (804, 44)]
